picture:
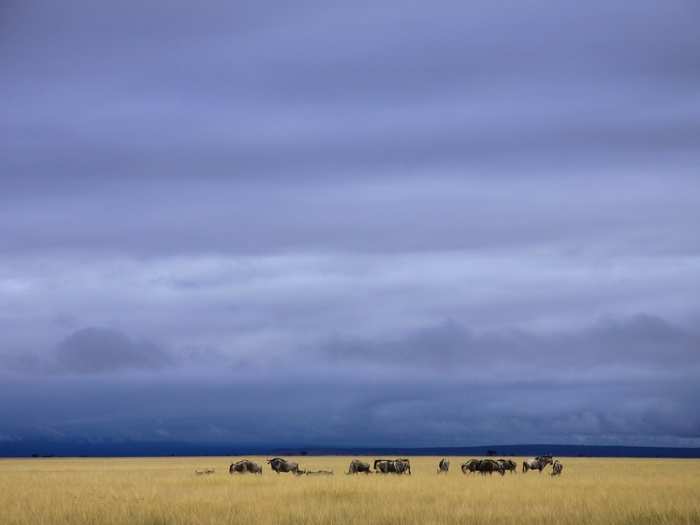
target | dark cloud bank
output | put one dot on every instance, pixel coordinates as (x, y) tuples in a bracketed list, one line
[(97, 350), (346, 224), (616, 382)]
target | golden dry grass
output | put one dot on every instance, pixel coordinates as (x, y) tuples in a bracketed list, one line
[(164, 491)]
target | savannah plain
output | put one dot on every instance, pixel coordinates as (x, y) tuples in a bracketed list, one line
[(164, 491)]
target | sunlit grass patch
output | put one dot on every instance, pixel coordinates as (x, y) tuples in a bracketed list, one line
[(166, 491)]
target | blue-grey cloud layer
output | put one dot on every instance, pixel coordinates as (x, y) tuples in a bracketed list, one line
[(381, 223)]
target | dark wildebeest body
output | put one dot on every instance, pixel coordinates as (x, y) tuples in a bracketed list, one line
[(537, 463), (443, 466), (244, 466), (282, 465), (557, 467), (509, 464), (471, 465), (489, 466), (392, 466), (482, 466), (357, 466)]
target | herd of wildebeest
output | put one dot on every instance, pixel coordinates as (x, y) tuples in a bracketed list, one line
[(403, 466)]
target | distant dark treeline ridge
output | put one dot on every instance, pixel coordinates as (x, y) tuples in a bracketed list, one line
[(26, 448)]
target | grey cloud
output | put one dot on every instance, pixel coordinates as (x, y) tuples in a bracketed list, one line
[(633, 214), (101, 350), (273, 192), (617, 381), (260, 309), (258, 129), (473, 86), (303, 405), (611, 349)]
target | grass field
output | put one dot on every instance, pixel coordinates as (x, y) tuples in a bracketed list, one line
[(167, 491)]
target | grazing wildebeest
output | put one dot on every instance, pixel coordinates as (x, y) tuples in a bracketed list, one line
[(509, 464), (557, 467), (537, 463), (489, 466), (443, 466), (483, 466), (471, 465), (392, 466), (282, 465), (357, 466), (244, 466)]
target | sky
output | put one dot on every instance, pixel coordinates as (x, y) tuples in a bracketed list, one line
[(350, 223)]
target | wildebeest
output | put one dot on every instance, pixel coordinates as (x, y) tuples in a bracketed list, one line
[(357, 466), (282, 465), (245, 466), (557, 467), (489, 466), (471, 465), (483, 466), (537, 463), (392, 466), (443, 466), (509, 464)]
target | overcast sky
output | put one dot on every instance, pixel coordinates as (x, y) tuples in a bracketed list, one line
[(350, 223)]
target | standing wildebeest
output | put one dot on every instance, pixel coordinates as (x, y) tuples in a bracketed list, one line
[(392, 466), (471, 465), (443, 466), (357, 466), (537, 463), (282, 465), (557, 467), (483, 466), (509, 464), (244, 466), (489, 466)]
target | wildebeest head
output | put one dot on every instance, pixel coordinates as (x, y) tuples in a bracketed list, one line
[(282, 465)]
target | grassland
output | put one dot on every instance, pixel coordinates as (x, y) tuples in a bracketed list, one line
[(166, 491)]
